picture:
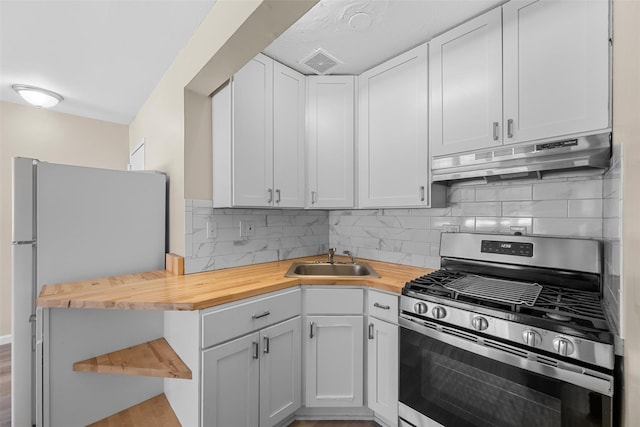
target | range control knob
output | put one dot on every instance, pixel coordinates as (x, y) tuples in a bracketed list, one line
[(479, 323), (420, 308), (531, 337), (563, 346), (438, 312)]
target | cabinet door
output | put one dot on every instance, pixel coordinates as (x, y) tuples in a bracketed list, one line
[(382, 369), (330, 141), (230, 381), (393, 132), (334, 355), (280, 371), (253, 133), (556, 68), (465, 81), (288, 137)]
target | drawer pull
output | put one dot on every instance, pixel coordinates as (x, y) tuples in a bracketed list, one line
[(255, 349), (266, 345), (311, 330), (371, 336), (258, 316), (382, 306)]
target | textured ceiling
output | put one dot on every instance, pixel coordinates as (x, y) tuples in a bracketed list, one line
[(105, 57)]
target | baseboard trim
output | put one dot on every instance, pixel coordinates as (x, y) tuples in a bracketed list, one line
[(5, 339)]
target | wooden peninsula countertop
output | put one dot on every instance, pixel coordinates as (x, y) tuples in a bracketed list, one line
[(163, 290)]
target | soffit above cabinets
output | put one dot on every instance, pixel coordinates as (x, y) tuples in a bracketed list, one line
[(360, 34)]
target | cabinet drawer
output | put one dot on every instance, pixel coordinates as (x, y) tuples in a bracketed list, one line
[(333, 301), (233, 321), (382, 305)]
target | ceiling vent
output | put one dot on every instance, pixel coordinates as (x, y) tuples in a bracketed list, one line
[(321, 62)]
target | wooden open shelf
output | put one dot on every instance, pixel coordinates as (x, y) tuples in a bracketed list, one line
[(152, 359), (153, 412)]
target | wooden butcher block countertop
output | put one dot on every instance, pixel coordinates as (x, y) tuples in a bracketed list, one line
[(163, 290)]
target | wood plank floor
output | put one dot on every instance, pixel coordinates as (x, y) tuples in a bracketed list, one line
[(5, 385), (5, 399)]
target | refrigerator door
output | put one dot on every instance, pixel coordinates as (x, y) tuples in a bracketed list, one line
[(23, 283), (98, 222)]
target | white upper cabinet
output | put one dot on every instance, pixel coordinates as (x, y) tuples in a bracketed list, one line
[(288, 136), (530, 70), (330, 143), (466, 86), (556, 68), (258, 137), (393, 132)]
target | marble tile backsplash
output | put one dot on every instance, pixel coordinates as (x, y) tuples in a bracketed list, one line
[(580, 205), (560, 206), (278, 234)]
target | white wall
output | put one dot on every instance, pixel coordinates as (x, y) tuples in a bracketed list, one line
[(26, 131)]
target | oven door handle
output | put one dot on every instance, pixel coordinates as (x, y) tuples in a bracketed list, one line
[(514, 356)]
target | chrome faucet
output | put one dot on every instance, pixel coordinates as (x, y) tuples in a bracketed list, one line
[(331, 252), (350, 255)]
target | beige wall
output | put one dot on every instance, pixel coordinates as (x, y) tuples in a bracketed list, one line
[(54, 137), (231, 34), (626, 131)]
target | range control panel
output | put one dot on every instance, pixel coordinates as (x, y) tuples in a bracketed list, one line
[(507, 248)]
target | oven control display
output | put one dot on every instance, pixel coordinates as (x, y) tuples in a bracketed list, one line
[(507, 248)]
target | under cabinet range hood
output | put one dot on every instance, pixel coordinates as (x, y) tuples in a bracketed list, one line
[(526, 160)]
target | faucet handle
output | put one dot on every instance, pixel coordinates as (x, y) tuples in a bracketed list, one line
[(350, 255)]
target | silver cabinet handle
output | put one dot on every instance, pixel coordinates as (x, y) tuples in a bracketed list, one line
[(370, 331), (259, 316), (313, 197), (421, 193), (496, 136), (266, 345), (510, 128), (255, 349), (311, 330), (382, 306), (270, 197), (277, 195)]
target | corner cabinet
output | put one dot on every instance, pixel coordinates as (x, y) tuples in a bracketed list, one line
[(333, 347), (258, 137), (330, 141), (499, 79), (393, 132)]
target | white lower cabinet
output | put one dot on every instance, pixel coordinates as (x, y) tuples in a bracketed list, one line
[(334, 361), (253, 380), (382, 369)]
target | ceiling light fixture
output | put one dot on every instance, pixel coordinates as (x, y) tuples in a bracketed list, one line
[(39, 97)]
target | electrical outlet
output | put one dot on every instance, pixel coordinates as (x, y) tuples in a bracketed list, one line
[(212, 230), (450, 228), (518, 229), (247, 229)]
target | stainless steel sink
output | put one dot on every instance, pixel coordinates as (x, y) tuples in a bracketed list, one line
[(325, 269)]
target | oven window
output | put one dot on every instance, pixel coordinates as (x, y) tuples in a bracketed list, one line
[(458, 388)]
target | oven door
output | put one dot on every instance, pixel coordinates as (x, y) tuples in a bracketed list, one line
[(450, 378)]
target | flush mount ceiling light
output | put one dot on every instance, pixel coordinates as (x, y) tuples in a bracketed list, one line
[(39, 97)]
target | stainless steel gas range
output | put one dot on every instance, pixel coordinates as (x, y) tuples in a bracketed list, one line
[(509, 332)]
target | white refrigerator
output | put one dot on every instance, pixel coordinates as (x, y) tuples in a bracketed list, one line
[(74, 223)]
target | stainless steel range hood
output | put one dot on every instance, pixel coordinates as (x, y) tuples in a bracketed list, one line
[(525, 160)]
